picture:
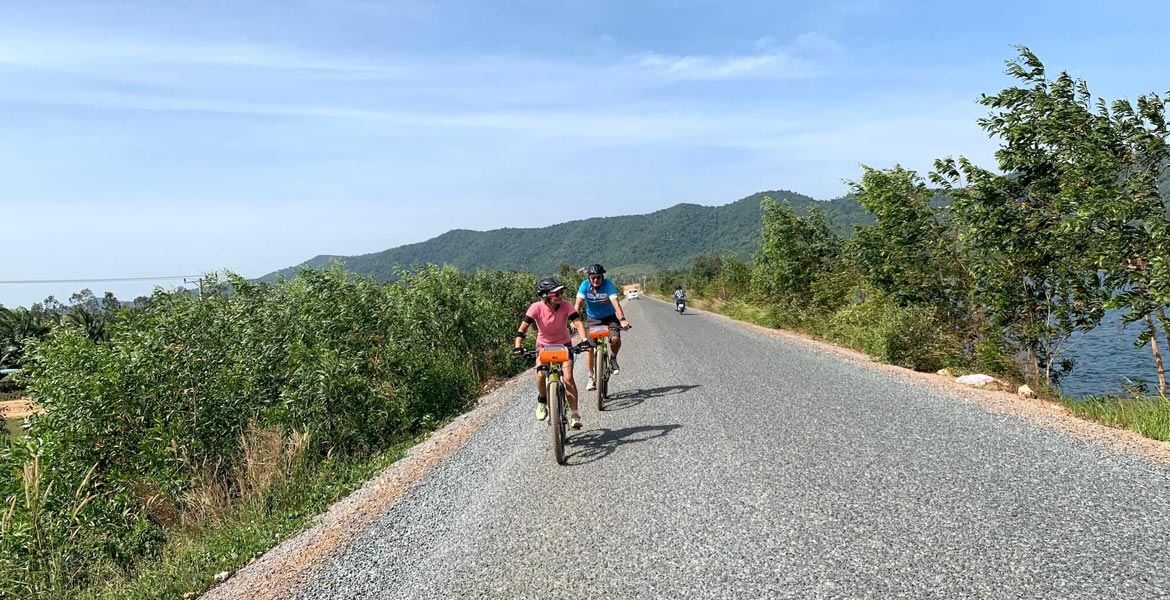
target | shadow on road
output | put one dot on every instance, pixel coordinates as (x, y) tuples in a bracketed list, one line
[(597, 444), (632, 398)]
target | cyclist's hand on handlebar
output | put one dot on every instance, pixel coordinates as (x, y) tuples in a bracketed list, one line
[(517, 352)]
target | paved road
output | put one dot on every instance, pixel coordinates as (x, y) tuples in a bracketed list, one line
[(737, 465)]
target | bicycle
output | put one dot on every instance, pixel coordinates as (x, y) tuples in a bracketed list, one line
[(599, 335), (551, 358)]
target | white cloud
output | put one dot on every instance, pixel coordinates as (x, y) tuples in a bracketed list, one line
[(803, 57), (770, 65)]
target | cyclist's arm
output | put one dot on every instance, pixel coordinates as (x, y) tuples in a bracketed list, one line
[(579, 303), (617, 306), (522, 331), (580, 325)]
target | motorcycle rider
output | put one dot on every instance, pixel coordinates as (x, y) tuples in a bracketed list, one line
[(680, 297)]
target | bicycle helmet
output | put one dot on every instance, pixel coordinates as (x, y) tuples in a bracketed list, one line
[(595, 269), (548, 285)]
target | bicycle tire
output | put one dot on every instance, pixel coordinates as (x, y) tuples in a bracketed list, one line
[(599, 363), (557, 420)]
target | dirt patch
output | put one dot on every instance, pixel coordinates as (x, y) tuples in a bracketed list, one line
[(1044, 412), (18, 409), (282, 570)]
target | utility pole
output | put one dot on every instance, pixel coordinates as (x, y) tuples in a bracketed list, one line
[(199, 281)]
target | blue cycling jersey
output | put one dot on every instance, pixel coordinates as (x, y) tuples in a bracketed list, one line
[(597, 304)]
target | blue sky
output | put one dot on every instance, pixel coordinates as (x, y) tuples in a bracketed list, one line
[(151, 138)]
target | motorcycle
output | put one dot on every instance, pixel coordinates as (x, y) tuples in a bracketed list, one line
[(680, 306)]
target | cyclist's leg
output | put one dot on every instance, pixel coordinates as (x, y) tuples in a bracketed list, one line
[(541, 382), (591, 355), (570, 384), (571, 393), (541, 393), (615, 335)]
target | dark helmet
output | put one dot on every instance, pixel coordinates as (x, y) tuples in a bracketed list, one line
[(547, 285), (595, 269), (678, 287)]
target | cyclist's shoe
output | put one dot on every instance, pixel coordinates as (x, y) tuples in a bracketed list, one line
[(613, 366), (575, 421), (592, 385), (541, 411)]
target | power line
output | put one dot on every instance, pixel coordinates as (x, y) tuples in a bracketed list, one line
[(97, 280)]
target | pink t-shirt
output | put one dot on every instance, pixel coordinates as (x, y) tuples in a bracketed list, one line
[(553, 326)]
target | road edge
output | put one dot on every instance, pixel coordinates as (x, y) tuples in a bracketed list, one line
[(1042, 412), (283, 569)]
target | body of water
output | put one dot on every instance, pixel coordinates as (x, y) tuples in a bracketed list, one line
[(1106, 359)]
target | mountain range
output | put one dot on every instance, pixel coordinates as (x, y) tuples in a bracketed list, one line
[(629, 245)]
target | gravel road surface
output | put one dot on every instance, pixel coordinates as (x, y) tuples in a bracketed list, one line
[(733, 464)]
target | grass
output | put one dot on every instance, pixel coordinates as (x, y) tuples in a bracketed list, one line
[(191, 559), (1147, 416)]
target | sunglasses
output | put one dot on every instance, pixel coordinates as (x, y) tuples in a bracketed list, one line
[(596, 277), (556, 294)]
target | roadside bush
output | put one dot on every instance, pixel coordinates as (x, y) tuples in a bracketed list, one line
[(912, 336), (158, 425)]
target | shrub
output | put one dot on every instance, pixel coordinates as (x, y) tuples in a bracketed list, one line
[(161, 422), (908, 336)]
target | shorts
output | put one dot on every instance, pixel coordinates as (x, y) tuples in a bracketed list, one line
[(615, 324)]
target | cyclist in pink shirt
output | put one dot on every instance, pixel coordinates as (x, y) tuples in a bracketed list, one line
[(552, 315)]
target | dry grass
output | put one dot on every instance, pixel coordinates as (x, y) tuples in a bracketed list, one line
[(16, 407), (268, 457)]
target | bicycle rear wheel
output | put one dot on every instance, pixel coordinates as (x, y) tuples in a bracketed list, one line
[(557, 420)]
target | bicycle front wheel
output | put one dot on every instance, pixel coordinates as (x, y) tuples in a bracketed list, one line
[(600, 363), (556, 418)]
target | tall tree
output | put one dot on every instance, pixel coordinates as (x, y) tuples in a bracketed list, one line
[(908, 252), (794, 251), (1035, 267)]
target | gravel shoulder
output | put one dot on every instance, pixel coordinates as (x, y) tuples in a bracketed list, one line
[(291, 564)]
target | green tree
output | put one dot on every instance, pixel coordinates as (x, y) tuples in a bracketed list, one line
[(570, 276), (1087, 174), (908, 253), (794, 251), (1035, 266), (734, 280), (19, 326), (704, 270)]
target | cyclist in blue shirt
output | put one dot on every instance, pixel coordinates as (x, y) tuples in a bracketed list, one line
[(600, 298)]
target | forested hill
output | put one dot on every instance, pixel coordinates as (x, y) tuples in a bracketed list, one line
[(628, 244)]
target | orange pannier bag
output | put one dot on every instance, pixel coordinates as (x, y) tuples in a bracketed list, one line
[(554, 354), (598, 332)]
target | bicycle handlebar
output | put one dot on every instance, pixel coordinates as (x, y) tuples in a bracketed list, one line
[(578, 349)]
